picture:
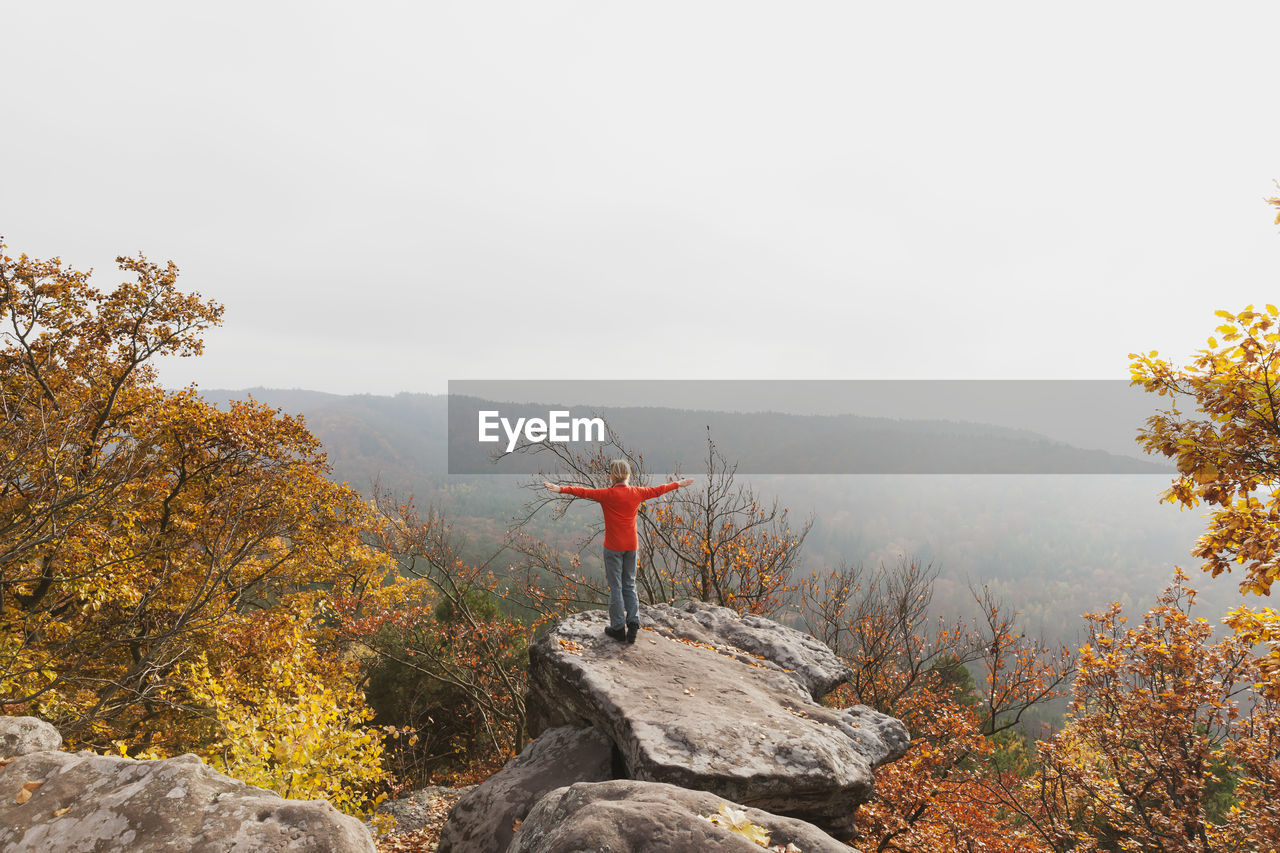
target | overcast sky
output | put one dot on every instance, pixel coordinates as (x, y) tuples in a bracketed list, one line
[(387, 196)]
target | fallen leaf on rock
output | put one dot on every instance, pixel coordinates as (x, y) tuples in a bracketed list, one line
[(695, 643), (728, 651), (735, 820), (573, 647), (25, 793), (61, 812)]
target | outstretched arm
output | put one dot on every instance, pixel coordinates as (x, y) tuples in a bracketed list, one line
[(654, 491), (576, 491)]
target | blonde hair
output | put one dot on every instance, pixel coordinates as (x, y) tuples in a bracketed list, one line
[(620, 471)]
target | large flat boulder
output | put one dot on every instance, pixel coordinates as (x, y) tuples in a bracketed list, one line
[(640, 817), (23, 735), (705, 715), (88, 803), (802, 656), (483, 821)]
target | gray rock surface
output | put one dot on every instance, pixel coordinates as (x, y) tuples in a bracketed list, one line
[(647, 817), (802, 656), (90, 802), (23, 735), (703, 716), (482, 820), (881, 738)]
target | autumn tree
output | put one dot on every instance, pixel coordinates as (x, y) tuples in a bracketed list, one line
[(1167, 745), (1227, 450), (145, 533), (1172, 741), (1228, 456), (944, 794), (449, 649), (722, 543)]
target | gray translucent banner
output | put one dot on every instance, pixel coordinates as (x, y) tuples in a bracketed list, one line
[(808, 426)]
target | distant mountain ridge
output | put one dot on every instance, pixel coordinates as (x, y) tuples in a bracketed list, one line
[(405, 438)]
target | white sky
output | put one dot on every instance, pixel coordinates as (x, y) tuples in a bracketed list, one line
[(387, 196)]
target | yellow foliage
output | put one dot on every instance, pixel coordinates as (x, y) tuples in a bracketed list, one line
[(294, 723), (1228, 453), (1152, 727), (163, 561), (1261, 627)]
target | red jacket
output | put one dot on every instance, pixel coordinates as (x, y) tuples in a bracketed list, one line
[(620, 504)]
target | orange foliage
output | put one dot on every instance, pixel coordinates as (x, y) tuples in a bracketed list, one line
[(1168, 747), (947, 792), (450, 656)]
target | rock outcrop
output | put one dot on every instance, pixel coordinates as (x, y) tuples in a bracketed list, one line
[(641, 817), (484, 818), (23, 735), (635, 747), (58, 802), (690, 705)]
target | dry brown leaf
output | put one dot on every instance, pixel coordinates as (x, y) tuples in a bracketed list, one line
[(25, 793), (424, 840)]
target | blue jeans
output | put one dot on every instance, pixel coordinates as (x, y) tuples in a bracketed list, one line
[(620, 570)]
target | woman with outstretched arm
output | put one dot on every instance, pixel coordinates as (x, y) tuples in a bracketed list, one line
[(620, 504)]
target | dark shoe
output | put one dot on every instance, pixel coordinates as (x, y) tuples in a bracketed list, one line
[(633, 628), (617, 633)]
